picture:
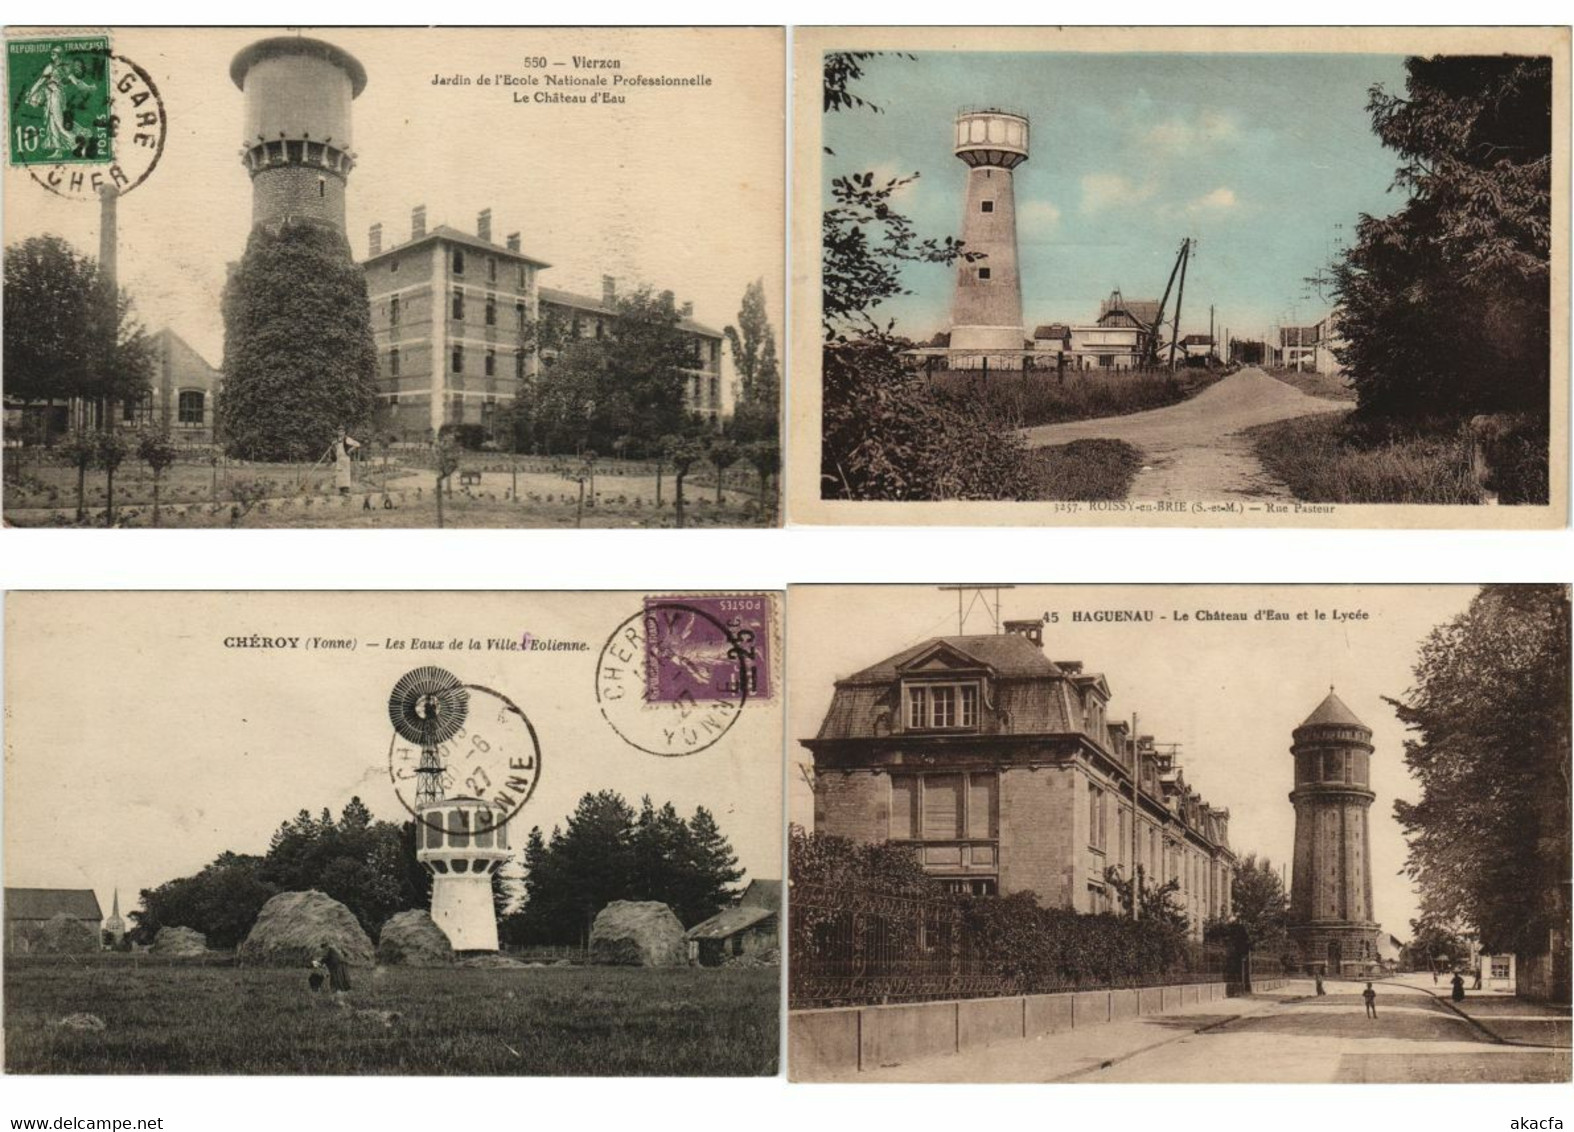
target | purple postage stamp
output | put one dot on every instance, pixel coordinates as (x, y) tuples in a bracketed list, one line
[(709, 647)]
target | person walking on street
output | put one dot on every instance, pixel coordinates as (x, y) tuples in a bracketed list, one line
[(1458, 994), (1318, 978), (1371, 1001)]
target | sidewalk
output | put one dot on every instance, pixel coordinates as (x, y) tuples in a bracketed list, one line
[(1503, 1016), (1071, 1054)]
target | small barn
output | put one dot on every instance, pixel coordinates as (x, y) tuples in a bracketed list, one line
[(750, 928), (27, 910)]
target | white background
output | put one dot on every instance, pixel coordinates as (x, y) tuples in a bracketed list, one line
[(665, 561)]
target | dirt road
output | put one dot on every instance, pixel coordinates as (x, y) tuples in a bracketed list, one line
[(1193, 451)]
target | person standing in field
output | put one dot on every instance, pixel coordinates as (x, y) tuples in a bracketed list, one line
[(1371, 1001), (342, 472), (338, 970)]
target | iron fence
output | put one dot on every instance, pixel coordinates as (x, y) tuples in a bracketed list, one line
[(851, 947)]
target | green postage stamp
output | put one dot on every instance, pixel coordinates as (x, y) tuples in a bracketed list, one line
[(59, 101)]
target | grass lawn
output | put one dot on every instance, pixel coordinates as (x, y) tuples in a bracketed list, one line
[(1023, 400), (194, 496), (1087, 469), (591, 1021), (1330, 458), (1331, 387)]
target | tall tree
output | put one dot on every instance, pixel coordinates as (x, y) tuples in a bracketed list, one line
[(299, 361), (1445, 305), (753, 343), (1489, 839), (65, 335)]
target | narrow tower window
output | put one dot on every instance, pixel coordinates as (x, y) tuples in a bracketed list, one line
[(983, 273), (986, 206)]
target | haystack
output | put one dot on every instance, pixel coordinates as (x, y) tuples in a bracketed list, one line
[(411, 939), (63, 934), (638, 933), (179, 941), (295, 928)]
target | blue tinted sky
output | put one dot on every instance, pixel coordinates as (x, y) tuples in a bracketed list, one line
[(1257, 156)]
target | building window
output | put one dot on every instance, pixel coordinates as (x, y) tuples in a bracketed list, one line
[(983, 273), (519, 315), (1500, 964), (393, 265), (1333, 766), (393, 362), (491, 310), (459, 261), (393, 311), (1098, 833), (193, 403), (459, 305), (715, 392), (459, 359), (945, 807), (491, 268), (524, 280), (941, 707), (519, 364), (986, 206), (491, 363)]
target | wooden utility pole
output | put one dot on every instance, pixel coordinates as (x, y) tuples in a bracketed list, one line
[(1180, 297), (1158, 319)]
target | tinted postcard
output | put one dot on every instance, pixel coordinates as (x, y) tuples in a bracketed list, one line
[(394, 277), (1181, 277), (478, 834)]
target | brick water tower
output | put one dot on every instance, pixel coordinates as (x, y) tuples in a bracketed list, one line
[(986, 312), (1332, 925), (296, 140)]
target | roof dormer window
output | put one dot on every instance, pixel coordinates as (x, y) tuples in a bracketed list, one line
[(942, 707)]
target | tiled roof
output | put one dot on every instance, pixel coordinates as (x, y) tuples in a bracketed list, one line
[(1145, 311), (729, 921), (1009, 654), (596, 306), (455, 236), (42, 903), (1332, 712)]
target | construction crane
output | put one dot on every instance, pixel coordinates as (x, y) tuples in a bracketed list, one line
[(1181, 259)]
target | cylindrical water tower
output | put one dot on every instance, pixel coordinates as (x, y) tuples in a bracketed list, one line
[(1331, 919), (296, 143), (461, 843), (986, 313)]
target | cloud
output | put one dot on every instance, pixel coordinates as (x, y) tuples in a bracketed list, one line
[(1217, 201), (1101, 191), (1038, 217), (1208, 130)]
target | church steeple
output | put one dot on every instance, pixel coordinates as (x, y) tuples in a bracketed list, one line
[(115, 927)]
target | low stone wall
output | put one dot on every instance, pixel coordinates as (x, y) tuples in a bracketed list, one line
[(827, 1043)]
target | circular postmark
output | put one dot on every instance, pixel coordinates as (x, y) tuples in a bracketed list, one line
[(673, 679), (116, 149), (493, 754)]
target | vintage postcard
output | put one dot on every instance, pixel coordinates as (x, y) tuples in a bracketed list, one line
[(1179, 833), (1294, 277), (479, 834), (394, 277)]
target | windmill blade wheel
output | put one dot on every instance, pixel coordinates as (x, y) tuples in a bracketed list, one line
[(428, 706)]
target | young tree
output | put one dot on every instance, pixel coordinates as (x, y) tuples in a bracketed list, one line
[(682, 452), (445, 462), (110, 451), (1489, 838), (157, 451), (65, 335), (766, 458), (299, 360), (80, 449), (723, 453)]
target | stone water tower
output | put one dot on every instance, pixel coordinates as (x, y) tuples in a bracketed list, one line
[(461, 844), (296, 137), (986, 312), (1332, 925)]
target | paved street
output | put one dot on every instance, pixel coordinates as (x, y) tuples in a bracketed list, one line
[(1193, 450), (1285, 1036)]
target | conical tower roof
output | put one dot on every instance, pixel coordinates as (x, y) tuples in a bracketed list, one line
[(1332, 712)]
